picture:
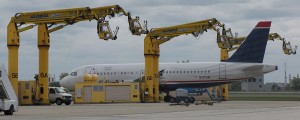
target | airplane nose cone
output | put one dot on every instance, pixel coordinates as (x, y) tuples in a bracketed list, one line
[(67, 83), (62, 82), (276, 67)]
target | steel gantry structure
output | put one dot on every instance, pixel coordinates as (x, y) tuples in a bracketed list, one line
[(53, 20), (227, 42), (158, 36)]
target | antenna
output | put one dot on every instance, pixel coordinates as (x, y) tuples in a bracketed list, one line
[(285, 77)]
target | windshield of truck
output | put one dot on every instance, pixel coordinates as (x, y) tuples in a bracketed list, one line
[(59, 90)]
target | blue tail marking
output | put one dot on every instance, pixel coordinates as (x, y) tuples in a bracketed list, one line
[(252, 50)]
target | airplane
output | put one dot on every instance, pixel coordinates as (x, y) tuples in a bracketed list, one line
[(245, 63)]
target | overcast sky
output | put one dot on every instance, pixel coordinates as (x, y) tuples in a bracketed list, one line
[(79, 45)]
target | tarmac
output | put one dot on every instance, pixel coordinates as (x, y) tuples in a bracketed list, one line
[(229, 110)]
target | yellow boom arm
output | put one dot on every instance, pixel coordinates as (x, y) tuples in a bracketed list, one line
[(157, 36), (234, 42), (74, 15)]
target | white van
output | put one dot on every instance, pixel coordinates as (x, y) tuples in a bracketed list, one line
[(59, 96)]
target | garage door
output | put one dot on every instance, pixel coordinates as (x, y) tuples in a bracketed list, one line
[(117, 93), (87, 94)]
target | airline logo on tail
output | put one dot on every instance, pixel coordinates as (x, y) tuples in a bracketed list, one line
[(252, 50)]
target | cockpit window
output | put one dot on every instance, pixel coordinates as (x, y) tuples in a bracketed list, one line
[(73, 74)]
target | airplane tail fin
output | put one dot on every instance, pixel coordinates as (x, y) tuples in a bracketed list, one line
[(252, 50)]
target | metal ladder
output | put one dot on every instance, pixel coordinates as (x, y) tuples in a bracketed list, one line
[(3, 94)]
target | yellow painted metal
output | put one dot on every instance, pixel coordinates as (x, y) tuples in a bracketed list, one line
[(43, 45), (224, 54), (224, 88), (225, 93), (61, 17), (13, 49), (149, 78), (87, 77), (149, 70), (156, 77), (157, 36), (25, 28), (232, 43), (74, 15), (27, 92), (99, 95)]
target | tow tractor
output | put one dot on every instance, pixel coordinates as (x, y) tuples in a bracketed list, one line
[(8, 98)]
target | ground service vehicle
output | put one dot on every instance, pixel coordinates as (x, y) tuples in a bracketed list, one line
[(8, 98), (182, 95), (58, 95)]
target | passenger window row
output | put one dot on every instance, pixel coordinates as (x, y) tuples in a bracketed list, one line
[(115, 73), (202, 71), (167, 72)]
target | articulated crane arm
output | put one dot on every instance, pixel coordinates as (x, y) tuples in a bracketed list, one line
[(46, 20), (195, 28), (234, 42), (157, 36), (71, 16), (286, 46)]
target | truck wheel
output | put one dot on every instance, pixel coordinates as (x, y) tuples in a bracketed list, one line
[(192, 99), (172, 99), (167, 98), (67, 103), (58, 101), (10, 111), (186, 100), (178, 99)]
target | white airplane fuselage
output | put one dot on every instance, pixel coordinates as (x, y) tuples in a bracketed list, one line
[(245, 63), (173, 75)]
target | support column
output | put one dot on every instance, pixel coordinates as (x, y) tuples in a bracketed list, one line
[(224, 88), (43, 46), (156, 73), (13, 52), (149, 75)]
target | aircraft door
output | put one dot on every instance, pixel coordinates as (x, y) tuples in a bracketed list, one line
[(222, 71), (88, 70)]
